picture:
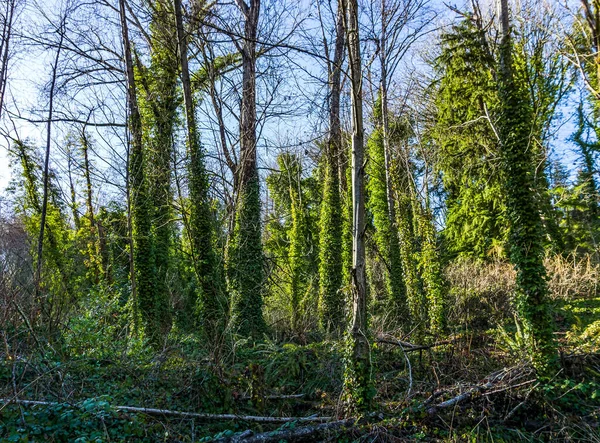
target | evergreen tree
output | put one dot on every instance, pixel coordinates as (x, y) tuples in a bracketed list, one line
[(466, 97), (578, 201), (469, 159)]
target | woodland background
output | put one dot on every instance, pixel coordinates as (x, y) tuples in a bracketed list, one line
[(261, 220)]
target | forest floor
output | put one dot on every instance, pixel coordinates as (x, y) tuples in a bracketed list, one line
[(468, 388)]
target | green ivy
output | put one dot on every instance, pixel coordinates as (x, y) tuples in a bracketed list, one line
[(386, 232), (245, 262), (523, 211), (331, 298)]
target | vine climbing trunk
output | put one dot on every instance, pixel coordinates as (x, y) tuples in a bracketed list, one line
[(389, 236), (358, 372), (46, 172), (331, 302), (143, 278), (526, 228), (200, 225), (97, 257), (245, 267), (385, 125), (158, 107)]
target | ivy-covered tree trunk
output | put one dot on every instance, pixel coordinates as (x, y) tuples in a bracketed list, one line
[(298, 235), (406, 231), (46, 178), (389, 229), (245, 267), (96, 248), (331, 301), (158, 107), (141, 223), (526, 228), (211, 299), (357, 382), (431, 273), (382, 205)]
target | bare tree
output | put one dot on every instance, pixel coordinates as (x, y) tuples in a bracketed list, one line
[(40, 245), (8, 17), (359, 334)]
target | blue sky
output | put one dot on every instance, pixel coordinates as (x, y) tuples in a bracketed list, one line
[(30, 72)]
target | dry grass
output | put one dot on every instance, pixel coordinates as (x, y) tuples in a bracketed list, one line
[(572, 277), (480, 292)]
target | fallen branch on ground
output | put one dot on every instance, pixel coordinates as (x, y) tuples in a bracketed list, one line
[(510, 375), (434, 397), (410, 347), (286, 434), (275, 397), (200, 415)]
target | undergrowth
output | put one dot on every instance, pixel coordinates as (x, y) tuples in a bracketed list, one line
[(86, 379)]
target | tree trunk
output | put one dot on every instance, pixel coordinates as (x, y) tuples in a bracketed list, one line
[(331, 303), (7, 30), (396, 284), (44, 208), (143, 277), (247, 168), (200, 225), (384, 115), (358, 379), (245, 266), (523, 211)]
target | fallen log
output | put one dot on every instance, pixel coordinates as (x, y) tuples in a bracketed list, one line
[(307, 433), (276, 397), (199, 415)]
